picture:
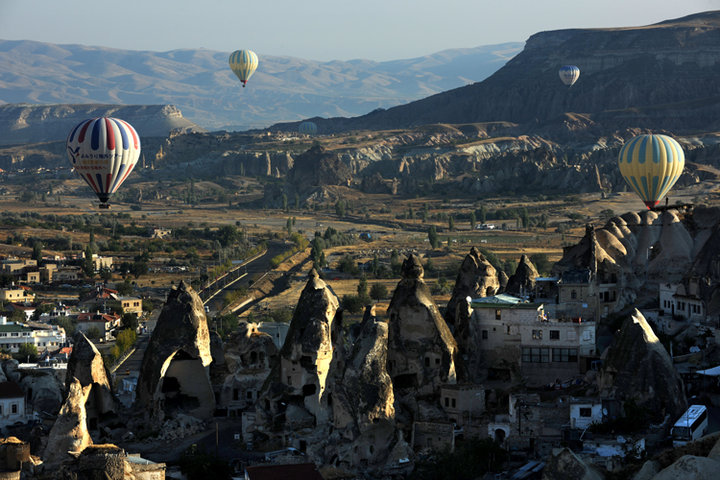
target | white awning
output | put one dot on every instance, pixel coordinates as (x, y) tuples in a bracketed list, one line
[(710, 372)]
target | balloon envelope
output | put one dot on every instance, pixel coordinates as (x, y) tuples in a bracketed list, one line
[(569, 74), (103, 151), (243, 63), (308, 128), (651, 164)]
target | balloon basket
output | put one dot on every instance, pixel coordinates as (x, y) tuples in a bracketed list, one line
[(105, 206)]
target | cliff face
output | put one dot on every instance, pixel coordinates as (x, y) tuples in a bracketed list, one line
[(25, 123), (670, 62)]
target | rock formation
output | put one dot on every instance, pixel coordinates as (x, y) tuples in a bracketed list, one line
[(86, 365), (307, 353), (249, 357), (690, 466), (565, 464), (468, 337), (174, 375), (69, 433), (362, 402), (522, 282), (422, 353), (476, 278), (110, 462), (637, 368)]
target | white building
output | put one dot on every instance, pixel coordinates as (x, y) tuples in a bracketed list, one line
[(12, 404), (585, 413), (519, 333), (46, 337), (680, 300)]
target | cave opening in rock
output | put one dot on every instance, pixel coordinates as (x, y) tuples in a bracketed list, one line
[(407, 380)]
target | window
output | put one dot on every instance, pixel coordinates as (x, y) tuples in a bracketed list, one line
[(249, 395), (235, 394), (14, 408), (535, 355), (427, 361), (573, 294), (453, 403), (447, 402), (554, 334), (585, 412), (564, 355), (484, 334), (498, 314), (537, 334)]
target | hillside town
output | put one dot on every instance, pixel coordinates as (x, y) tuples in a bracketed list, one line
[(589, 368)]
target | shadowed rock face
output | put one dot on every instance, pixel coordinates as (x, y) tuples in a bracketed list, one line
[(476, 278), (523, 280), (249, 357), (638, 368), (307, 353), (87, 366), (69, 432), (421, 350), (565, 464), (174, 375), (362, 400)]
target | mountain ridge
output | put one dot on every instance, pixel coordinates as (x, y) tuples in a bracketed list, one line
[(200, 83)]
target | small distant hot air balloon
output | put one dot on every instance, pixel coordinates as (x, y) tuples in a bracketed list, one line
[(569, 74), (243, 63), (103, 151), (308, 128), (651, 164)]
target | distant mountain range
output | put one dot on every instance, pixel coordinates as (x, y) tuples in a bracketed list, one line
[(200, 83), (662, 76)]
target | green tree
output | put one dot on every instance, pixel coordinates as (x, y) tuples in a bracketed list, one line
[(106, 274), (37, 251), (125, 288), (362, 289), (378, 291), (483, 214), (27, 352), (129, 321), (351, 303), (433, 237), (348, 265), (93, 333), (451, 223), (288, 225), (88, 266), (340, 207), (125, 340), (473, 220), (139, 268)]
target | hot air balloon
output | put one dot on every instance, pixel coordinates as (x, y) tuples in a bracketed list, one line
[(308, 128), (651, 164), (103, 151), (569, 74), (243, 63)]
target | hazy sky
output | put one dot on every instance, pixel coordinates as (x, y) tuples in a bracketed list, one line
[(320, 29)]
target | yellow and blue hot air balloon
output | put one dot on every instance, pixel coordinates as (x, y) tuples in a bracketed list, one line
[(651, 164), (243, 63), (569, 74), (103, 151)]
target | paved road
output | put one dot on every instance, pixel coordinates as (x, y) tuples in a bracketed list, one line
[(254, 270)]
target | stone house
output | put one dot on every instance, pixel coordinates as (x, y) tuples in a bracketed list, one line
[(131, 305), (433, 435), (12, 404), (682, 300), (584, 413), (462, 403), (44, 337), (16, 294), (106, 323)]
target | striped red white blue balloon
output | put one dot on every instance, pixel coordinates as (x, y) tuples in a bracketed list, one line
[(103, 151)]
